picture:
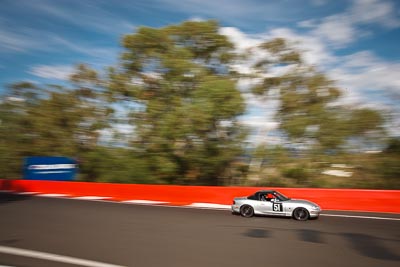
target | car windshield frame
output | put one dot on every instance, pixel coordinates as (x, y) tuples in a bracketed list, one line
[(281, 196), (278, 195)]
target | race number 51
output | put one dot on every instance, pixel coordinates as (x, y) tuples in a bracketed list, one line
[(277, 207)]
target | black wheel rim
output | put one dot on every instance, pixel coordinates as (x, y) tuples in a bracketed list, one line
[(247, 211), (301, 214)]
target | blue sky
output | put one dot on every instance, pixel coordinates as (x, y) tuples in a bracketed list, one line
[(354, 41)]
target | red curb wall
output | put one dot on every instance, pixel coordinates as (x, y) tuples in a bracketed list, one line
[(328, 199)]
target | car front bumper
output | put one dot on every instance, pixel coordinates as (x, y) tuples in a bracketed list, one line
[(314, 213)]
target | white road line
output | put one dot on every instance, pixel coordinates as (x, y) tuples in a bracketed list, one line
[(361, 217), (54, 257)]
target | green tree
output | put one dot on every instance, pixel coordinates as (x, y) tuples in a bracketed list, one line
[(14, 127), (308, 108), (388, 166), (184, 102), (49, 121)]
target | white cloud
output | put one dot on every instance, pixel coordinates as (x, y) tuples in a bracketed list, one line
[(260, 122), (260, 117), (345, 28), (197, 19), (15, 99), (57, 72), (22, 40), (375, 11), (95, 53), (311, 23), (262, 127), (363, 71), (11, 41), (338, 30), (314, 50), (124, 128), (242, 40)]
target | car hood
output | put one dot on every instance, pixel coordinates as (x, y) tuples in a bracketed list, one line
[(302, 201)]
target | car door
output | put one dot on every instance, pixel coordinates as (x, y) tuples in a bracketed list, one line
[(265, 204), (272, 206), (264, 207)]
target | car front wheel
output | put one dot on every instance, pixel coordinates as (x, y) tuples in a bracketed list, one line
[(246, 211), (301, 214)]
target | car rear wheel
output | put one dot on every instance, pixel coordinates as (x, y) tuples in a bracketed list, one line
[(246, 211), (301, 214)]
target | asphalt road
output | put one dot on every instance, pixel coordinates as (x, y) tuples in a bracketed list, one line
[(132, 235)]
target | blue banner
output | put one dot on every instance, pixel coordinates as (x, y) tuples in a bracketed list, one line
[(50, 168)]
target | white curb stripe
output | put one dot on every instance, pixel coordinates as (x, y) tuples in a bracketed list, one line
[(91, 198), (361, 217), (54, 257), (146, 202), (209, 206)]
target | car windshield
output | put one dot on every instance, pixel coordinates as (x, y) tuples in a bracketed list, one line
[(280, 196), (253, 197)]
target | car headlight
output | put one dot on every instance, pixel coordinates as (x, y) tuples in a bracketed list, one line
[(315, 207)]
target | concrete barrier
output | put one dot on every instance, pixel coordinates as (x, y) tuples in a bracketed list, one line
[(328, 199)]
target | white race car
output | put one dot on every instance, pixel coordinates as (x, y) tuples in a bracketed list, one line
[(271, 202)]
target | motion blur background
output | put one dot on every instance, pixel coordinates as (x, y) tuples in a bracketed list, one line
[(263, 93)]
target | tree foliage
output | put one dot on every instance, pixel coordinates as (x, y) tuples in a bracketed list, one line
[(388, 166), (309, 108), (187, 103), (50, 120)]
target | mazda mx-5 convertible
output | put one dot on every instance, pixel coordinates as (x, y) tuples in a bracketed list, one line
[(271, 202)]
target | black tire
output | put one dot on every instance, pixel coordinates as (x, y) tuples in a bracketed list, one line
[(246, 211), (301, 214)]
